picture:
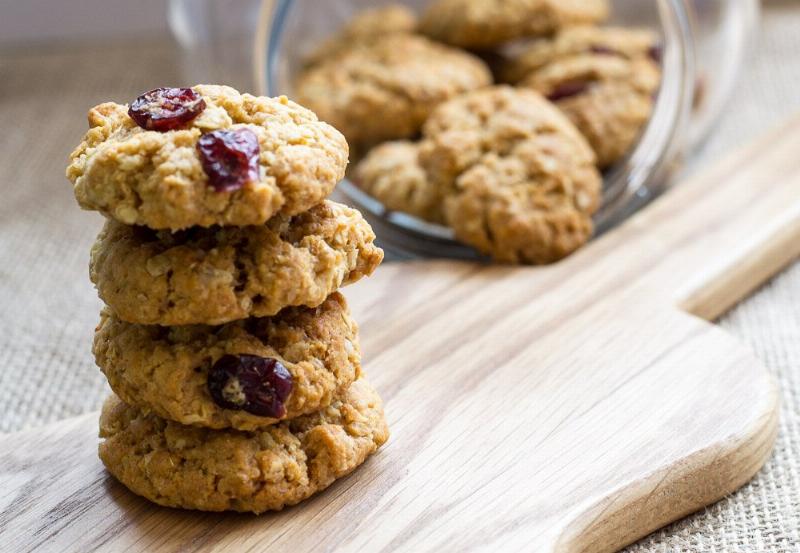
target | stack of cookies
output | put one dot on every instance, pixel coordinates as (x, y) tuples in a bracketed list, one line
[(492, 118), (234, 361)]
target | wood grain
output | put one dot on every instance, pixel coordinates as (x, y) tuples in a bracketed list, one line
[(575, 407)]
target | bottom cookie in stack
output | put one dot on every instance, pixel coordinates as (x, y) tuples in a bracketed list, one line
[(216, 470)]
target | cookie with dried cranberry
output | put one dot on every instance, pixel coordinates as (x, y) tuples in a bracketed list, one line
[(609, 98), (488, 23), (391, 173), (367, 25), (229, 470), (519, 181), (620, 42), (245, 374), (204, 156), (603, 78), (385, 89), (220, 274)]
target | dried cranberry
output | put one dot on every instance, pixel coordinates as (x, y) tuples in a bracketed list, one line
[(603, 50), (258, 385), (656, 53), (567, 89), (229, 158), (165, 109)]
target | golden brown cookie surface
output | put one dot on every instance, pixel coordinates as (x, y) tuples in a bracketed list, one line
[(176, 372), (621, 42), (488, 23), (608, 98), (385, 89), (367, 25), (604, 78), (221, 274), (157, 179), (391, 173), (519, 181), (217, 470)]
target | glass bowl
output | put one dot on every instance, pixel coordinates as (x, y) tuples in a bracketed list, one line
[(260, 45)]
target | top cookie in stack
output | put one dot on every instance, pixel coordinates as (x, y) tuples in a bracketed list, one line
[(187, 173), (225, 338)]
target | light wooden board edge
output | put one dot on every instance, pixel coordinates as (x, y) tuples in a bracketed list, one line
[(702, 479)]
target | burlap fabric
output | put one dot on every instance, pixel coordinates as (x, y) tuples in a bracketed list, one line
[(764, 515), (48, 308)]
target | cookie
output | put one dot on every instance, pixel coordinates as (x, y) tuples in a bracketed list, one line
[(176, 372), (367, 25), (488, 23), (219, 470), (608, 98), (622, 42), (170, 178), (221, 274), (385, 89), (519, 181), (391, 173)]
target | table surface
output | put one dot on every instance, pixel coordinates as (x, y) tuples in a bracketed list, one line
[(49, 308)]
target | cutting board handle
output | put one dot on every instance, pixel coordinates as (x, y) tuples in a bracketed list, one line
[(715, 237)]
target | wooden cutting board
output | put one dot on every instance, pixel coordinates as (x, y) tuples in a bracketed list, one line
[(575, 407)]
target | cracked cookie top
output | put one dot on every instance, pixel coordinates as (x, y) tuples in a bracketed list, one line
[(620, 42), (519, 181), (218, 470), (220, 274), (385, 89), (489, 23), (165, 179), (604, 79), (171, 370)]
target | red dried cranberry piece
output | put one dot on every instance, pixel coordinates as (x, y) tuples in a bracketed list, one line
[(567, 89), (603, 50), (229, 158), (166, 109), (656, 53), (258, 385)]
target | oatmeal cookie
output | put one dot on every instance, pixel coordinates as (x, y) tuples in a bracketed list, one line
[(608, 98), (623, 42), (488, 23), (519, 180), (221, 274), (219, 470), (385, 90), (161, 179), (391, 173), (174, 371), (367, 25)]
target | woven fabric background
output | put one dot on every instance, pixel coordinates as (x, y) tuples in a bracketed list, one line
[(48, 308)]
